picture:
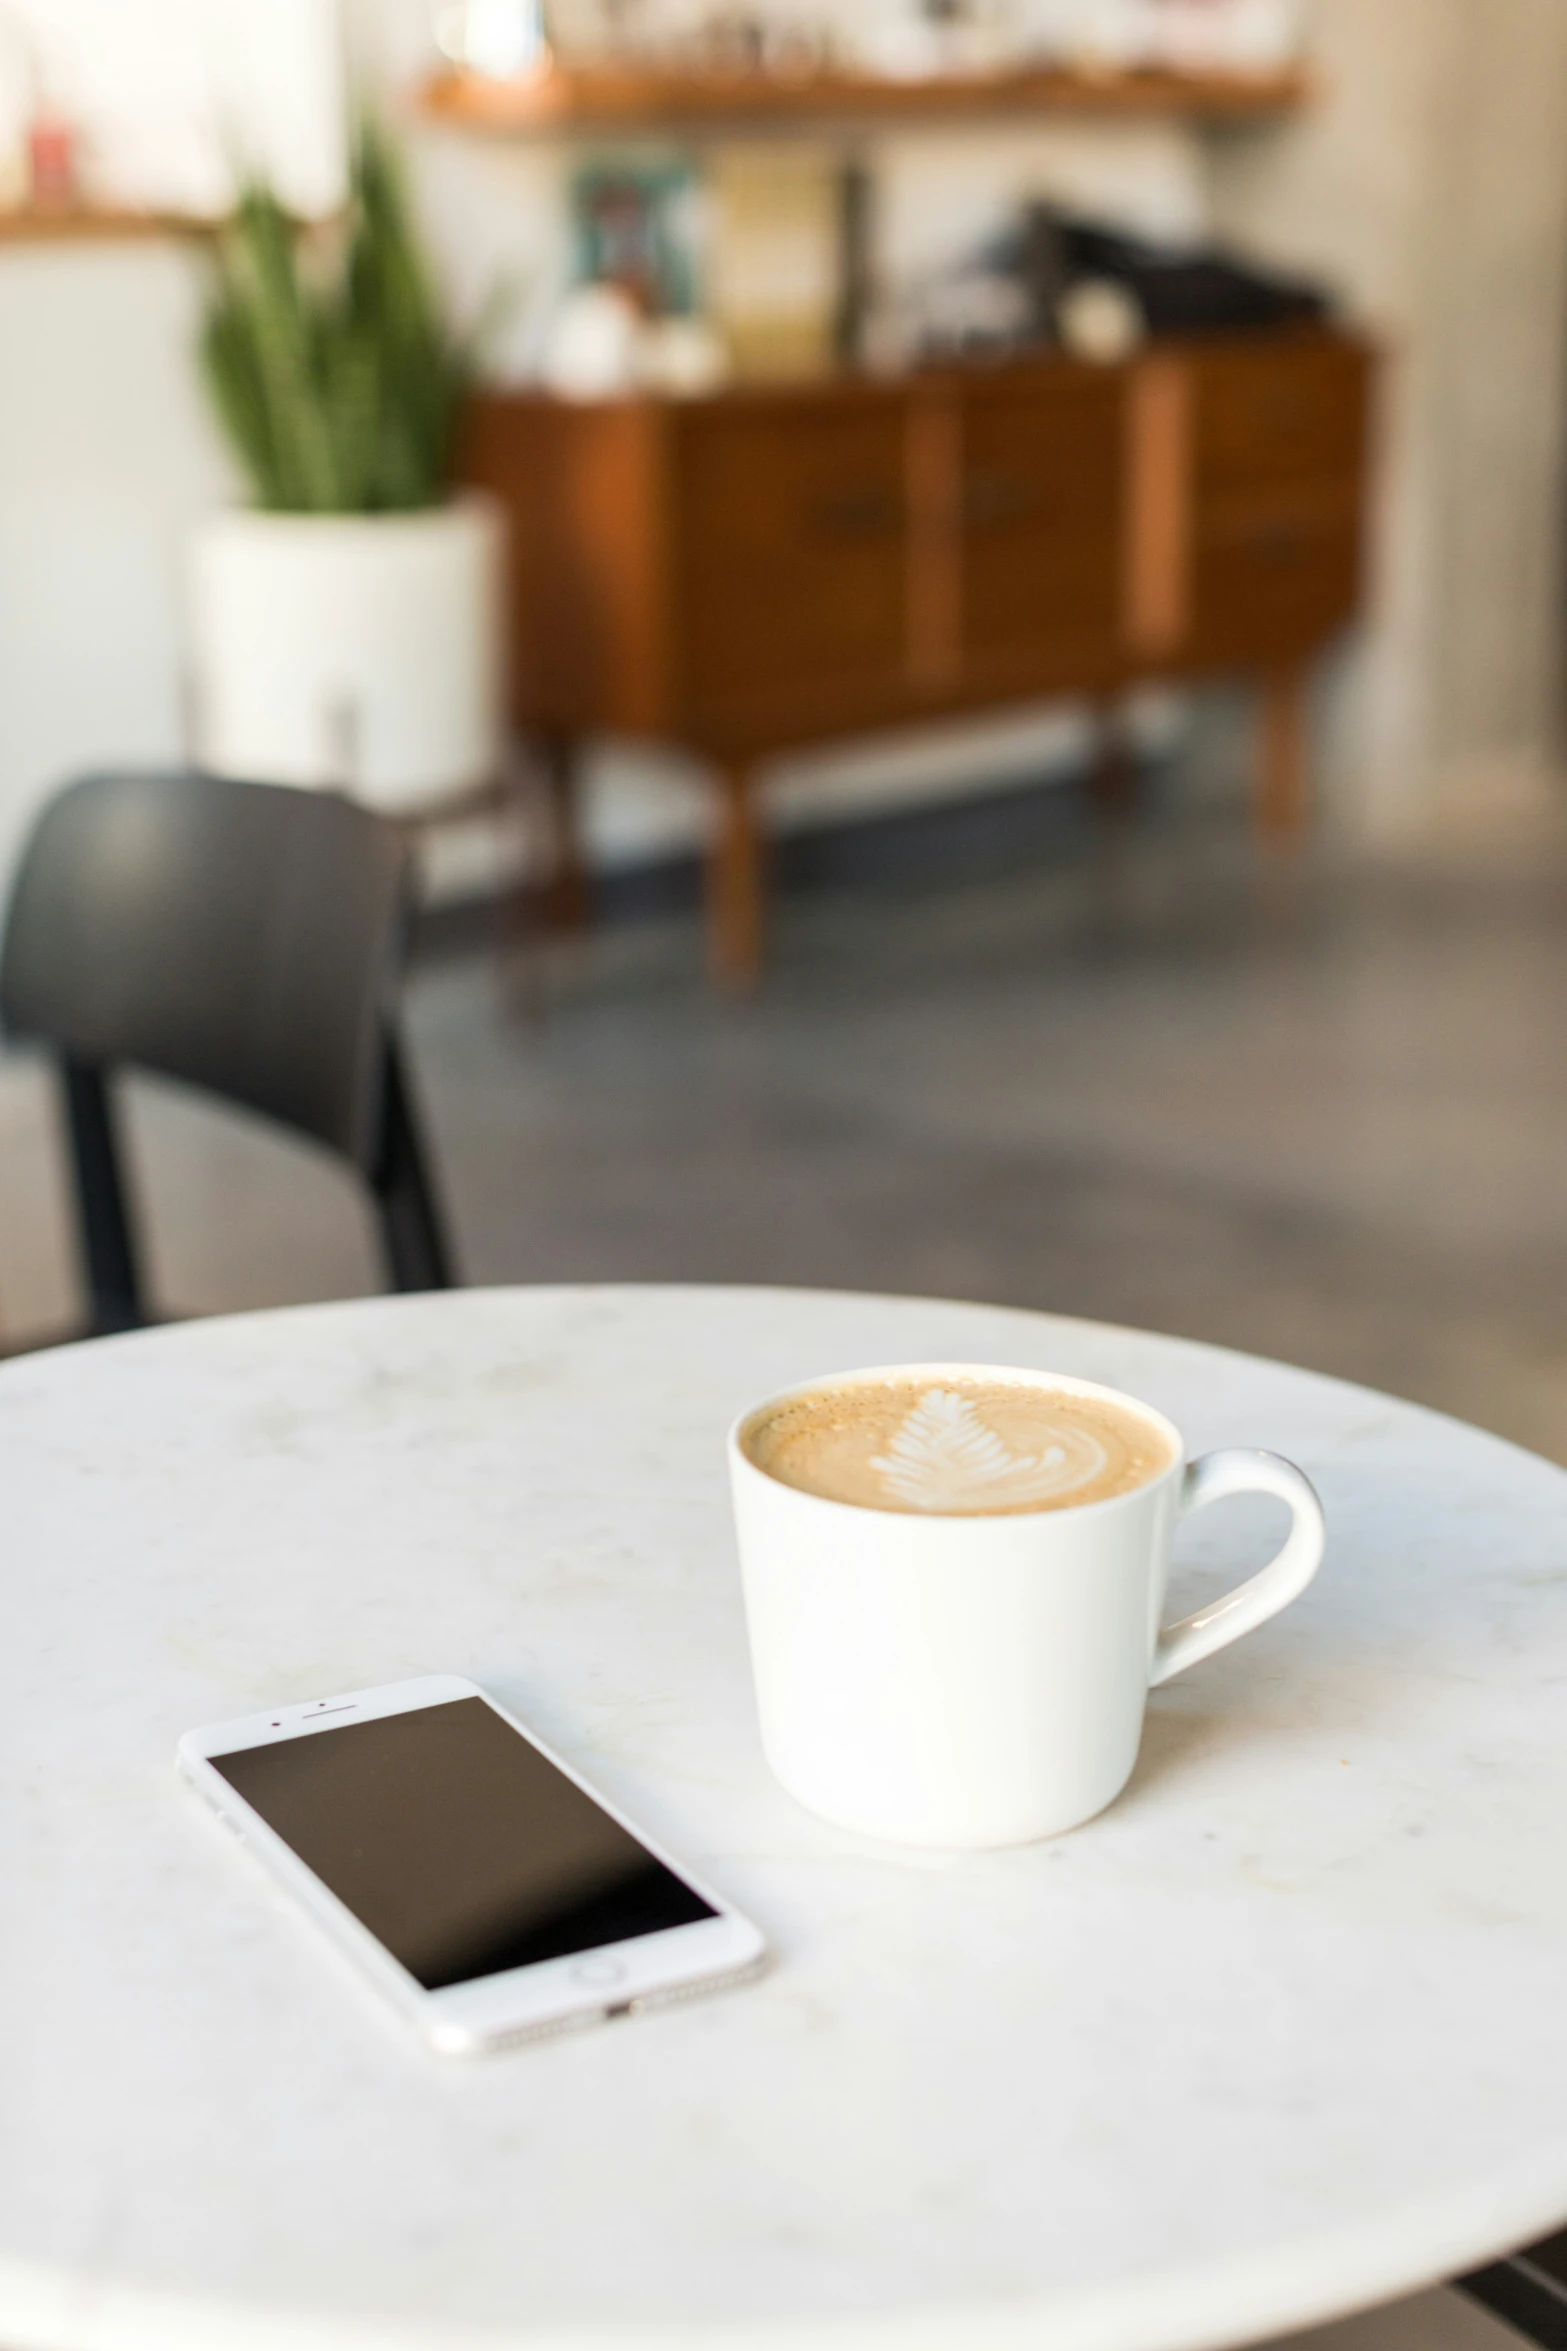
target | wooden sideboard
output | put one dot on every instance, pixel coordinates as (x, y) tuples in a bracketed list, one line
[(767, 568)]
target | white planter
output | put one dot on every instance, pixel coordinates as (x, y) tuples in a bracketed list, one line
[(361, 652)]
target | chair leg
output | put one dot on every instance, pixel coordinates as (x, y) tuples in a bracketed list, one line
[(1113, 779), (103, 1220), (417, 1257), (565, 894), (1526, 2293)]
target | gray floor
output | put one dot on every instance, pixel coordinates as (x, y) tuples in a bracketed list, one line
[(1317, 1111), (1321, 1115), (1314, 1109)]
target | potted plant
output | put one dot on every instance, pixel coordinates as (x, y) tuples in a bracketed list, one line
[(346, 626)]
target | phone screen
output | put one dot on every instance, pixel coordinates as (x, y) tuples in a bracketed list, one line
[(461, 1847)]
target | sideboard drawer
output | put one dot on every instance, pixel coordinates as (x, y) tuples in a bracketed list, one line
[(1039, 513), (1275, 572), (1294, 412), (792, 552)]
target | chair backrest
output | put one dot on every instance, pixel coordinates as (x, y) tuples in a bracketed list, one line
[(243, 937)]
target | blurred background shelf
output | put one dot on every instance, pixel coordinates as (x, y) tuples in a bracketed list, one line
[(89, 225), (619, 97)]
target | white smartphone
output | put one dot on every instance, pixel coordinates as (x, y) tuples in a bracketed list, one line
[(474, 1878)]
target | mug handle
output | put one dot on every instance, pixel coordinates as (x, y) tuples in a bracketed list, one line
[(1214, 1479)]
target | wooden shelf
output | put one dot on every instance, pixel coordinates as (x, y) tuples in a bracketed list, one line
[(87, 226), (633, 97)]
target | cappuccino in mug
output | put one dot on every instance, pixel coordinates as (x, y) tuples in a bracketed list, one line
[(954, 1583), (958, 1448)]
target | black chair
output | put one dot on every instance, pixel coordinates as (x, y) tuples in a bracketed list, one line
[(1527, 2291), (246, 938)]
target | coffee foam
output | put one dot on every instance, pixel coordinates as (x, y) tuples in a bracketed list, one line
[(957, 1448)]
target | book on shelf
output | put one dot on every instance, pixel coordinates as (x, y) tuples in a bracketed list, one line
[(775, 256)]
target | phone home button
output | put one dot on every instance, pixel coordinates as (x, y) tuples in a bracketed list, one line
[(599, 1975)]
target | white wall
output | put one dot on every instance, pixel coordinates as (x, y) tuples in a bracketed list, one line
[(169, 96), (1431, 183), (106, 454), (106, 450)]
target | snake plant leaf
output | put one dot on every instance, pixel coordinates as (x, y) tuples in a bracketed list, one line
[(333, 371)]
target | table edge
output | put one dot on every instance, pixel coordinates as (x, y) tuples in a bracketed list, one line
[(1218, 2305), (395, 1303)]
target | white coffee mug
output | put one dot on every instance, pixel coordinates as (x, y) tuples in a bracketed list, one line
[(980, 1680)]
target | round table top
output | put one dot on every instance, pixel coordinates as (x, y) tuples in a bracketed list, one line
[(1277, 2035)]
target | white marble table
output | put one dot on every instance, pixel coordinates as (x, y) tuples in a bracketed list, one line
[(1283, 2032)]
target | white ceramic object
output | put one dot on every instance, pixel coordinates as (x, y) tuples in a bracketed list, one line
[(504, 39), (684, 357), (1101, 321), (1257, 36), (967, 1681), (356, 652), (594, 349), (1277, 2036)]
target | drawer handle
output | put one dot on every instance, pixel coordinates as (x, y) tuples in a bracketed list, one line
[(989, 499), (858, 514), (1279, 542)]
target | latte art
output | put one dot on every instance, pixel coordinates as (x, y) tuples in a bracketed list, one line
[(957, 1448), (946, 1458)]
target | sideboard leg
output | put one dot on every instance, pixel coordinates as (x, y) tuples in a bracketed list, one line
[(1282, 804), (1113, 778), (736, 881), (564, 899)]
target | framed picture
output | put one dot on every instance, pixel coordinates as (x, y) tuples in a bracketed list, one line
[(638, 224)]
